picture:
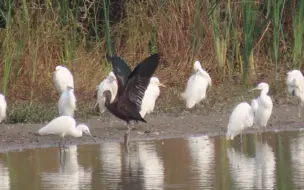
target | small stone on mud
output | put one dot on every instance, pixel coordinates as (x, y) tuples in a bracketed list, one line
[(140, 133)]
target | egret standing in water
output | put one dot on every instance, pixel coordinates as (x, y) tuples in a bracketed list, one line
[(241, 118), (151, 94), (62, 78), (131, 89), (196, 86), (3, 106), (264, 104), (295, 86), (67, 102), (110, 83), (63, 126)]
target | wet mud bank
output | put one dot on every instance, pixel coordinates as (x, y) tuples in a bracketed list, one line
[(20, 136)]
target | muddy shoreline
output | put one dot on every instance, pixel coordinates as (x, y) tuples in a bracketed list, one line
[(20, 136)]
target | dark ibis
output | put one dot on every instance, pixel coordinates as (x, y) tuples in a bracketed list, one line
[(131, 89)]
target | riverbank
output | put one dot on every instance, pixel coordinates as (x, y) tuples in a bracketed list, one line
[(20, 136)]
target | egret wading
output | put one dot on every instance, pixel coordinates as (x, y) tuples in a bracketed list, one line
[(241, 118), (62, 78), (150, 97), (3, 106), (264, 104), (196, 86), (64, 126), (110, 83), (67, 102), (131, 89), (295, 86)]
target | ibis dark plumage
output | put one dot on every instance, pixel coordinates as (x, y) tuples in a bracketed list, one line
[(131, 87)]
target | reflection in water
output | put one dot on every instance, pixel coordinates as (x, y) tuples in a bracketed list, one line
[(70, 175), (181, 164), (111, 164), (152, 166), (265, 162), (202, 153), (4, 177), (253, 173), (297, 157)]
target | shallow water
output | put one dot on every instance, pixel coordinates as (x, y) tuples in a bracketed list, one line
[(268, 161)]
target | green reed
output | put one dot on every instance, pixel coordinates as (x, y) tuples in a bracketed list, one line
[(7, 44), (106, 6), (249, 18), (34, 64), (298, 32), (222, 31), (278, 6), (197, 28)]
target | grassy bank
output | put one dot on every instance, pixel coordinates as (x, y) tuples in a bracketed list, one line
[(221, 99), (243, 42)]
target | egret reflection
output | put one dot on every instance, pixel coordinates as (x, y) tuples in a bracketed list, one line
[(70, 175), (110, 156), (4, 177), (297, 158), (203, 158), (152, 166), (253, 172)]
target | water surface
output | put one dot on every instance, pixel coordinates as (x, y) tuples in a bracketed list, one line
[(268, 161)]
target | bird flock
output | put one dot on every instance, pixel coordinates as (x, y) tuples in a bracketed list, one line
[(131, 94)]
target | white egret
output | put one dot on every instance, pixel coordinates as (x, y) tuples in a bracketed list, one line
[(265, 105), (151, 94), (110, 83), (295, 86), (241, 118), (196, 86), (292, 76), (67, 102), (3, 107), (63, 126), (62, 78)]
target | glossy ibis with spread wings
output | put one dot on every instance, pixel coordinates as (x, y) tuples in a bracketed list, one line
[(131, 87)]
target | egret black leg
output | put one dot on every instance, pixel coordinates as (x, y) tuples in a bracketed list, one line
[(300, 109), (61, 143)]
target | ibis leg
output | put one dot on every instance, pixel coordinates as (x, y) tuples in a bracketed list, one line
[(147, 128), (127, 135), (241, 137)]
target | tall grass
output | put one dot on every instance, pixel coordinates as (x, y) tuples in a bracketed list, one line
[(221, 38), (197, 28), (298, 32), (106, 4), (278, 6), (6, 43), (221, 34), (249, 17)]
